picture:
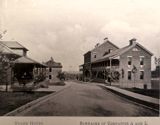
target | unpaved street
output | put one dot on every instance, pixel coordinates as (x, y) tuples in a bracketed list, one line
[(88, 100)]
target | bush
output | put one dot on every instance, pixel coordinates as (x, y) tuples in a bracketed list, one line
[(43, 85), (61, 76), (39, 78)]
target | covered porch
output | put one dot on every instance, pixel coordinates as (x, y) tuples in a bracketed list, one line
[(26, 70), (106, 70)]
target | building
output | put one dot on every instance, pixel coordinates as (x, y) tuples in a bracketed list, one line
[(94, 55), (129, 66), (80, 73), (16, 47), (19, 67), (53, 69)]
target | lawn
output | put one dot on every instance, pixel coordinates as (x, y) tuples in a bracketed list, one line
[(12, 100), (148, 92)]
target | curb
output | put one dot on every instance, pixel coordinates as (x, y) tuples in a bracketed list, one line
[(151, 105), (34, 102)]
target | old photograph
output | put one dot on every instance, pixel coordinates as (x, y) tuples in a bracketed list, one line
[(79, 58)]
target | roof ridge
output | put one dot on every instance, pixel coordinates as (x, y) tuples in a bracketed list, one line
[(12, 42), (104, 43), (120, 51)]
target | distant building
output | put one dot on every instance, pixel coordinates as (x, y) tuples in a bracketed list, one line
[(80, 73), (155, 81), (53, 69), (129, 66), (156, 72)]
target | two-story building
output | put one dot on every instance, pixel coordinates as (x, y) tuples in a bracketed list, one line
[(53, 69), (94, 55), (129, 66)]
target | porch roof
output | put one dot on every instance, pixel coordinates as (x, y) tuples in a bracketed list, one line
[(27, 60), (120, 51)]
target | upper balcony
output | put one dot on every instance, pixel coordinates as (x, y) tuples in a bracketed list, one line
[(113, 64)]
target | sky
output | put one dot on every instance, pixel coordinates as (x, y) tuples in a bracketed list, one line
[(66, 29)]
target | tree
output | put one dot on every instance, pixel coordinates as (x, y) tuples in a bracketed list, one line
[(4, 64), (2, 34), (134, 71), (157, 61), (61, 76), (112, 75)]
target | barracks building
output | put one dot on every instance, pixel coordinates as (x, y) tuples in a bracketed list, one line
[(127, 67)]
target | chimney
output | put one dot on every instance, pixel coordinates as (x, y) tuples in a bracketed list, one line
[(106, 39), (132, 41)]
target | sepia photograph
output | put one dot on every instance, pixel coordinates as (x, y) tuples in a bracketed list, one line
[(79, 59)]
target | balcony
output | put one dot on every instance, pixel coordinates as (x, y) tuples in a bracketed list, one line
[(100, 68)]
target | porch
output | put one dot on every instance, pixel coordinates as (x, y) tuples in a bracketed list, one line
[(106, 71), (26, 70)]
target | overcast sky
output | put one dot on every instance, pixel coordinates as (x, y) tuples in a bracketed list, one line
[(66, 29)]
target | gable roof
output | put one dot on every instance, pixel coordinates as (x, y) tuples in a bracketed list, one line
[(6, 50), (105, 43), (144, 49), (120, 51), (13, 45), (53, 64)]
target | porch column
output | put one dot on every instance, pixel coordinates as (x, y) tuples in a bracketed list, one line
[(110, 63), (90, 72), (110, 69)]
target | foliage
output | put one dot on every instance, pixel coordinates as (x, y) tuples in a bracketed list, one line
[(61, 76), (113, 75), (157, 61), (39, 78), (4, 66), (134, 69)]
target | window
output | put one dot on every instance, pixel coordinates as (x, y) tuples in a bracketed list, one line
[(129, 75), (122, 73), (50, 77), (141, 60), (134, 49), (129, 60), (50, 69), (106, 53), (94, 54), (141, 74), (110, 50)]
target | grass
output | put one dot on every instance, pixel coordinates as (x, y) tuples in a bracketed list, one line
[(148, 92), (13, 100)]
